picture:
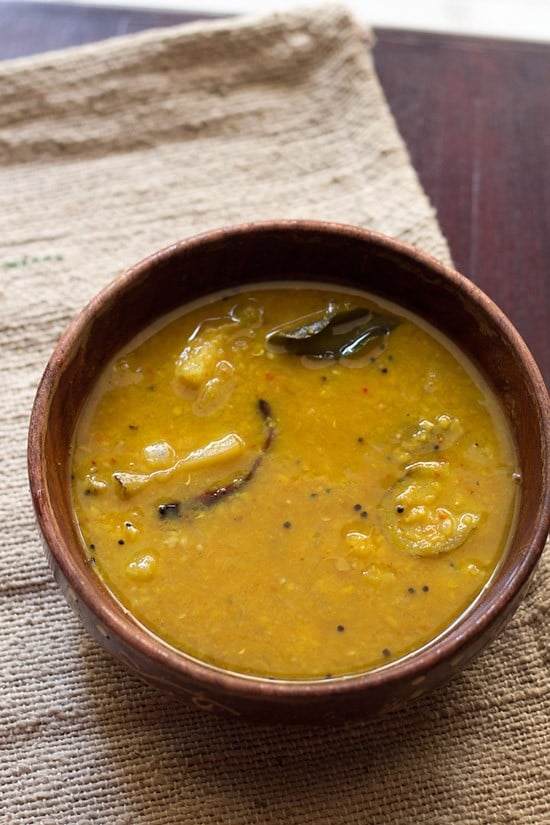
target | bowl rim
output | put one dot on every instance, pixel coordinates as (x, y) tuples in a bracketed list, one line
[(115, 618)]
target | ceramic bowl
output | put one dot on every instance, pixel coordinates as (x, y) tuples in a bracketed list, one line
[(343, 255)]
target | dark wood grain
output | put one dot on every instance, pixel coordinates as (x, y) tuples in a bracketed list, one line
[(475, 114)]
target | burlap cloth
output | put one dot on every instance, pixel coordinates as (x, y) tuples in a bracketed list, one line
[(107, 153)]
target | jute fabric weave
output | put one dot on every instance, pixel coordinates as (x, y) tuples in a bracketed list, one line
[(107, 153)]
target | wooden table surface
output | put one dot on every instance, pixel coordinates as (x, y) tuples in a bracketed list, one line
[(475, 114)]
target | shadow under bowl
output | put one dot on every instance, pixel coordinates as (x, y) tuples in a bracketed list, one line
[(280, 251)]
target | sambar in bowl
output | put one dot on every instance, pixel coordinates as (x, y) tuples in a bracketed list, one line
[(292, 471)]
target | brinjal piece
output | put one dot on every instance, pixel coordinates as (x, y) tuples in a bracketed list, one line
[(206, 499), (210, 497), (418, 515)]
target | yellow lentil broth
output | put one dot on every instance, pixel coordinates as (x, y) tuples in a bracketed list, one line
[(339, 548)]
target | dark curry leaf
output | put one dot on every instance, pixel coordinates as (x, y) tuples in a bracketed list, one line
[(336, 333)]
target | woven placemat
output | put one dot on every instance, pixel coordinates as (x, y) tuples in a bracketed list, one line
[(107, 153)]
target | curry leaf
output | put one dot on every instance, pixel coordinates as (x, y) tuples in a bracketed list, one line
[(336, 333)]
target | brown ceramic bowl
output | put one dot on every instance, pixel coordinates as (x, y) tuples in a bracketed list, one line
[(284, 251)]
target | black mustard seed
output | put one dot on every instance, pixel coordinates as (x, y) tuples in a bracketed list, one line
[(169, 510)]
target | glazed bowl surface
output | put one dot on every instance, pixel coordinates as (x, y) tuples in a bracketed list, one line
[(287, 251)]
